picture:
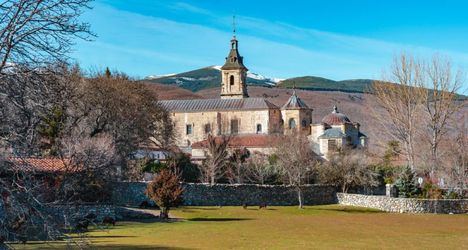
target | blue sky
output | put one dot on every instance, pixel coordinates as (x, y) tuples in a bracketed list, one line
[(333, 39)]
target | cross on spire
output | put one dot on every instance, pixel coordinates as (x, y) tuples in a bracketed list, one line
[(234, 25)]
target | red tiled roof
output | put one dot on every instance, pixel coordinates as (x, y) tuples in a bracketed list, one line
[(251, 141), (335, 118), (44, 165)]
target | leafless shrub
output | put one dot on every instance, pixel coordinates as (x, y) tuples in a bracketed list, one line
[(348, 169), (217, 153), (259, 170)]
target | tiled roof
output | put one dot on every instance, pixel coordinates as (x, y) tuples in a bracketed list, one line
[(250, 141), (335, 118), (43, 165), (332, 133), (294, 102), (198, 105)]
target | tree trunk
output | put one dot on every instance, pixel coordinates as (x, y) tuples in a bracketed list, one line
[(299, 197), (164, 214)]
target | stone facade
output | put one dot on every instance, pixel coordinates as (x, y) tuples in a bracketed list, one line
[(132, 193), (404, 205), (221, 123), (70, 214)]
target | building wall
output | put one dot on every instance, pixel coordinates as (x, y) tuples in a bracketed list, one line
[(199, 154), (238, 89), (298, 115), (220, 123)]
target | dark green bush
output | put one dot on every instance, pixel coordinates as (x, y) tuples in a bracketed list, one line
[(406, 183)]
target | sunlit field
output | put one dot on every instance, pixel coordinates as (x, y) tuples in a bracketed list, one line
[(331, 226)]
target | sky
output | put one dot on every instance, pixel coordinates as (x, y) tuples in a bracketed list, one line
[(333, 39)]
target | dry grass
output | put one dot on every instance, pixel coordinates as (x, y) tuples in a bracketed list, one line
[(333, 226)]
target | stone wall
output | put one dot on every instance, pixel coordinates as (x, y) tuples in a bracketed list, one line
[(132, 193), (70, 214), (404, 205)]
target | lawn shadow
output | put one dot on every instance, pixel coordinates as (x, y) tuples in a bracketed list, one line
[(63, 245), (140, 247), (201, 208), (218, 219)]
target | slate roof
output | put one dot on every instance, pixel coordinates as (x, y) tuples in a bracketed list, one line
[(332, 133), (294, 102), (234, 60), (198, 105)]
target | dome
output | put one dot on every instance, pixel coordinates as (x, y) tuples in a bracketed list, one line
[(335, 118)]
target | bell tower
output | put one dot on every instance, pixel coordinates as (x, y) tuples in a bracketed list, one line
[(234, 73)]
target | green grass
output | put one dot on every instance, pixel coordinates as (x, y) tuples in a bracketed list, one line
[(332, 226)]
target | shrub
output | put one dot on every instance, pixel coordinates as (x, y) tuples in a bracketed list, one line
[(166, 191), (431, 191), (153, 166), (406, 183)]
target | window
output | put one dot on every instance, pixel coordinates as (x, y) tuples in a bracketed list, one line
[(207, 128), (188, 129), (304, 123), (259, 128), (231, 80), (292, 123), (234, 126), (331, 145)]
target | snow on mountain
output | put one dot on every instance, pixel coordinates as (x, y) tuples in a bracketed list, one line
[(267, 80), (151, 77)]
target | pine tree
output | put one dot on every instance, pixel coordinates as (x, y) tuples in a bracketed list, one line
[(108, 73), (406, 183)]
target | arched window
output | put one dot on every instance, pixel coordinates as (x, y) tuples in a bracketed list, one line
[(292, 123), (304, 123), (231, 80), (259, 128)]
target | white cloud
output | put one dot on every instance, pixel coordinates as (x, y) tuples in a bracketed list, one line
[(145, 45)]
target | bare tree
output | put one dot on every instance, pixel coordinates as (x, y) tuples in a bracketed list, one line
[(37, 32), (455, 161), (297, 160), (236, 169), (440, 88), (259, 170), (401, 102), (217, 155), (348, 169), (90, 169)]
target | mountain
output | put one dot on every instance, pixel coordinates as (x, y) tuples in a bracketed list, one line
[(206, 78), (324, 84)]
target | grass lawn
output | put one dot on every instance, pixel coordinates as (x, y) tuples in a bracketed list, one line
[(331, 226)]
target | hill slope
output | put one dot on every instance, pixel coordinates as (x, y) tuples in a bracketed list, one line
[(206, 78), (324, 84)]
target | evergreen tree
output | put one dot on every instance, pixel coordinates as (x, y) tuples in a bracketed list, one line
[(406, 183), (108, 72)]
